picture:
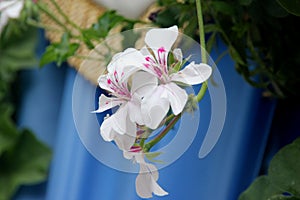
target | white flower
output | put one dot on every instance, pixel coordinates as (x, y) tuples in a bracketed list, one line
[(146, 181), (121, 126), (9, 9), (156, 105)]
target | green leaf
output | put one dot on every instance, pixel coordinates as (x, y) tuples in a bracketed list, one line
[(152, 155), (26, 163), (284, 170), (105, 23), (8, 131), (283, 179), (17, 52), (60, 51), (292, 6), (260, 189)]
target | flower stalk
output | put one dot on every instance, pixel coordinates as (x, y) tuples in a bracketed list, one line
[(162, 134)]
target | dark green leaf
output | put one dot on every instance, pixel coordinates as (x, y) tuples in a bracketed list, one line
[(284, 170), (8, 131), (292, 6), (260, 189), (26, 163)]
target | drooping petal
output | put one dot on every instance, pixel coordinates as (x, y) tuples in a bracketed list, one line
[(193, 74), (106, 129), (154, 108), (161, 37), (176, 96), (143, 83), (122, 123), (135, 113), (106, 103), (124, 142), (146, 182)]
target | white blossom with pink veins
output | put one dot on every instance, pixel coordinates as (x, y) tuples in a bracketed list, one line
[(146, 181), (156, 105), (9, 9), (121, 126)]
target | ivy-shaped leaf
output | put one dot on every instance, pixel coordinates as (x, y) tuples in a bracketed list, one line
[(283, 179), (284, 169), (26, 162)]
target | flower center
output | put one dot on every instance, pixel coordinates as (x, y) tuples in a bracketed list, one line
[(158, 65), (119, 88)]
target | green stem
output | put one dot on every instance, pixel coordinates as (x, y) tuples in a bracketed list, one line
[(34, 23), (202, 91), (203, 47), (162, 134), (174, 119), (61, 12), (49, 14), (201, 31)]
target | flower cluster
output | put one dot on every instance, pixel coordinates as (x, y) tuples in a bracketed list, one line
[(144, 86)]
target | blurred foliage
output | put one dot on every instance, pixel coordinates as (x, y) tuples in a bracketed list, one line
[(23, 159), (261, 36), (283, 179)]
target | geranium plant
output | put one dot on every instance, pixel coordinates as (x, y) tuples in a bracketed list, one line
[(145, 85)]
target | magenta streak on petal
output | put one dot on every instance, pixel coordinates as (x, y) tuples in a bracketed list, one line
[(135, 149), (120, 88)]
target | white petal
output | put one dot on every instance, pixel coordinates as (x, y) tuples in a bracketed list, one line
[(106, 103), (106, 130), (102, 81), (161, 37), (135, 113), (124, 142), (177, 97), (127, 63), (5, 5), (154, 108), (122, 123), (146, 184), (193, 74), (14, 10), (109, 132), (143, 83)]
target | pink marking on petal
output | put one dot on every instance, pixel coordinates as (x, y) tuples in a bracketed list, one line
[(108, 81), (135, 149)]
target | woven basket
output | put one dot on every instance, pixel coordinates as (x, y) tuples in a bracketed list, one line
[(83, 13)]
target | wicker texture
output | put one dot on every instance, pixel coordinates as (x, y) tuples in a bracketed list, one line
[(83, 13)]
